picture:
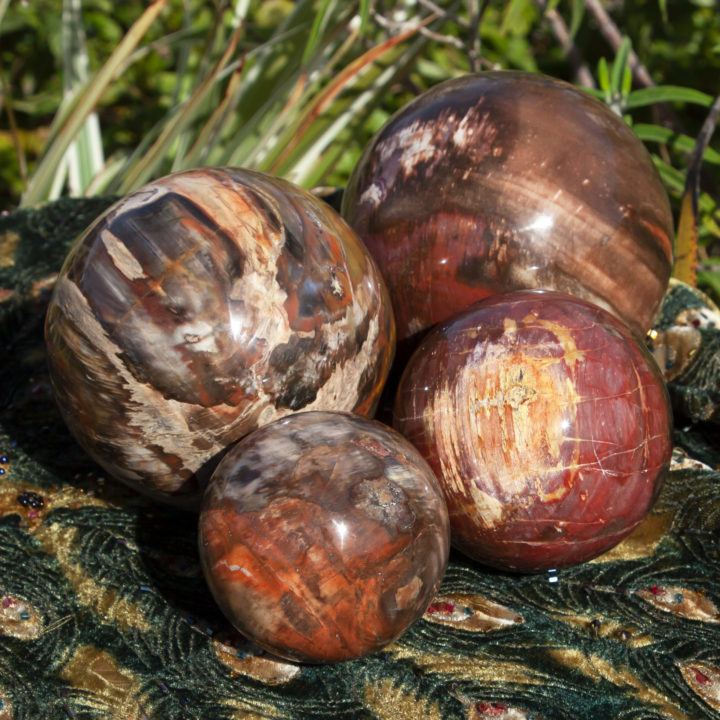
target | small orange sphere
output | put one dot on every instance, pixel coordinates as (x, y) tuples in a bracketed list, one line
[(323, 536)]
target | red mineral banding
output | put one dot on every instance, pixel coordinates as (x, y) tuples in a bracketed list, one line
[(547, 423), (506, 181)]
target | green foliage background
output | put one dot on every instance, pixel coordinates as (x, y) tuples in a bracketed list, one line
[(308, 82)]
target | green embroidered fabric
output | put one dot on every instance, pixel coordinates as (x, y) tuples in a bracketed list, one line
[(104, 612)]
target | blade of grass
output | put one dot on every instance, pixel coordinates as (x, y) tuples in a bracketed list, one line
[(273, 78), (162, 44), (308, 170), (58, 181), (364, 16), (333, 134), (275, 138), (209, 134), (85, 157), (254, 137), (101, 182), (183, 89), (144, 168), (321, 101), (215, 43), (240, 12), (274, 61), (117, 172), (260, 136), (85, 154), (315, 32), (72, 115)]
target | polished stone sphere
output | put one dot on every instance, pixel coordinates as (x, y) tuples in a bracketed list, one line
[(323, 536), (548, 426), (202, 306), (506, 181)]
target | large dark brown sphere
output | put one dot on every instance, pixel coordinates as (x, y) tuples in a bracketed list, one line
[(548, 426), (323, 536), (202, 306), (505, 181)]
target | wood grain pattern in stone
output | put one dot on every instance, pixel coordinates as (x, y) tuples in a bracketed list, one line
[(204, 305), (548, 426), (323, 536), (506, 181)]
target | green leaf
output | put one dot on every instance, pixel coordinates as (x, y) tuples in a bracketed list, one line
[(619, 66), (627, 82), (517, 17), (672, 177), (682, 143), (667, 93), (576, 17), (674, 180), (594, 92), (604, 77), (709, 279)]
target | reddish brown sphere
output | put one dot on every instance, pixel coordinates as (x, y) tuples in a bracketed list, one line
[(202, 306), (323, 536), (548, 426), (506, 181)]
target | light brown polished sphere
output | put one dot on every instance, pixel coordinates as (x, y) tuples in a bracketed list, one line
[(202, 306), (505, 181)]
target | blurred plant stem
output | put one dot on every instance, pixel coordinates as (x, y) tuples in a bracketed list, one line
[(84, 157)]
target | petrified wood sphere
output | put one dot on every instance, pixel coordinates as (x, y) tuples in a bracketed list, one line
[(547, 423), (506, 181), (202, 306), (323, 536)]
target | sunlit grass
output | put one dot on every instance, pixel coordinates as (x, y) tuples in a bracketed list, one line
[(295, 88)]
